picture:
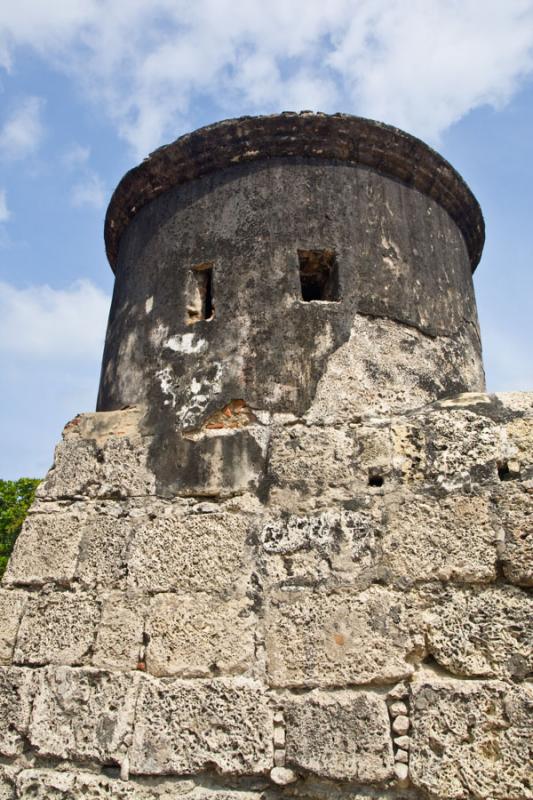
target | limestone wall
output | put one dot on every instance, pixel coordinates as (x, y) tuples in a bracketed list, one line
[(346, 616)]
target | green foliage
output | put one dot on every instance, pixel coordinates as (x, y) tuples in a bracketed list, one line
[(15, 499)]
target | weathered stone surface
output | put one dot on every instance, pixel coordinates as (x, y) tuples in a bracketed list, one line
[(12, 605), (47, 547), (448, 539), (460, 446), (100, 463), (221, 462), (57, 628), (410, 368), (103, 556), (199, 635), (471, 739), (194, 552), (310, 467), (520, 435), (44, 784), (16, 693), (343, 735), (120, 632), (482, 632), (339, 548), (514, 506), (185, 727), (83, 714), (7, 784), (319, 639)]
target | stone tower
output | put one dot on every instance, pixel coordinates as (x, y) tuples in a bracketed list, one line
[(288, 555)]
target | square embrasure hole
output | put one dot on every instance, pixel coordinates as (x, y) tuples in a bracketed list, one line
[(319, 278)]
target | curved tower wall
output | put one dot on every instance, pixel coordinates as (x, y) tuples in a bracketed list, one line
[(397, 329)]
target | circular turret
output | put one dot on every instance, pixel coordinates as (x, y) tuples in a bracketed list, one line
[(300, 263)]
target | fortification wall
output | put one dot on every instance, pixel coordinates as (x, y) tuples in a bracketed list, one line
[(349, 618)]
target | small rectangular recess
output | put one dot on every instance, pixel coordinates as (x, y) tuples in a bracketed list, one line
[(319, 277), (200, 302)]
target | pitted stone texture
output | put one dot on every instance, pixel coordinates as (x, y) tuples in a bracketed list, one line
[(99, 467), (343, 736), (186, 727), (514, 506), (45, 784), (448, 539), (311, 467), (482, 632), (46, 550), (520, 435), (120, 632), (461, 446), (57, 628), (323, 639), (7, 783), (409, 367), (83, 714), (193, 552), (471, 739), (333, 548), (16, 695), (12, 605), (103, 546), (199, 635)]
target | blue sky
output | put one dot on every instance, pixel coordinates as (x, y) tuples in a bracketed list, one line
[(89, 87)]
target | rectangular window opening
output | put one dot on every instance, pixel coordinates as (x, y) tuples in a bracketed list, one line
[(319, 276), (200, 305)]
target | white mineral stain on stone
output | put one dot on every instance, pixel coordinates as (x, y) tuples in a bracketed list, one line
[(149, 304), (164, 377), (186, 344)]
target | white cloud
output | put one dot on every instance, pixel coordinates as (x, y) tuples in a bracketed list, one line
[(56, 324), (22, 131), (422, 65), (4, 210), (89, 193), (76, 156)]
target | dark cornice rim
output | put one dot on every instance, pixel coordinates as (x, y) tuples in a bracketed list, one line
[(341, 137)]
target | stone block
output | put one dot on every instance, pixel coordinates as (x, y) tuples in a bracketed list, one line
[(12, 605), (45, 784), (482, 632), (448, 539), (218, 462), (104, 540), (76, 471), (16, 694), (311, 467), (461, 446), (186, 727), (193, 552), (341, 736), (83, 714), (199, 635), (94, 463), (335, 547), (335, 639), (46, 550), (120, 632), (520, 436), (514, 509), (57, 628), (471, 739)]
